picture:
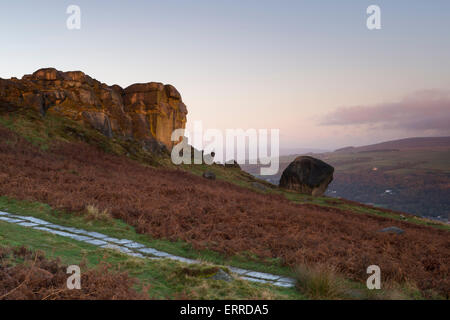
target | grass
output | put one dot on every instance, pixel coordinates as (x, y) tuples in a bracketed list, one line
[(118, 229), (339, 204), (92, 213), (408, 218), (322, 283), (166, 279), (319, 283), (43, 131), (248, 181), (171, 279), (232, 175)]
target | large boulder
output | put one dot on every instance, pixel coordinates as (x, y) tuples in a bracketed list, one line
[(146, 112), (307, 175)]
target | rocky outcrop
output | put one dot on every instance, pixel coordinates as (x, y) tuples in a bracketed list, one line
[(209, 175), (395, 230), (147, 112), (232, 164), (307, 175)]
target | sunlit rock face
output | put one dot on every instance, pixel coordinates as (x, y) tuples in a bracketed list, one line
[(147, 112)]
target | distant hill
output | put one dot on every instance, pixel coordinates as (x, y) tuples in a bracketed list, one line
[(408, 143), (296, 151)]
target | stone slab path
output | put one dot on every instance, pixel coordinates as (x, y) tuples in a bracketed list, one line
[(132, 248)]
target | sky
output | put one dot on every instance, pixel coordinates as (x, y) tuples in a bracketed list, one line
[(311, 69)]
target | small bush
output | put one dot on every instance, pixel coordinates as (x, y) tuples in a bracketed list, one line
[(92, 213), (319, 282)]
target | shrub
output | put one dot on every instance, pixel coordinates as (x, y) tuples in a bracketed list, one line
[(319, 282), (92, 213)]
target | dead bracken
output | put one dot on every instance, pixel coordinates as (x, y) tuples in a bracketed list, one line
[(37, 278), (174, 204)]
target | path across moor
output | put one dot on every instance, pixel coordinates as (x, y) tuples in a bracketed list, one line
[(132, 248)]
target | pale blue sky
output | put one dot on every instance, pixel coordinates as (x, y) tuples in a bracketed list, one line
[(246, 64)]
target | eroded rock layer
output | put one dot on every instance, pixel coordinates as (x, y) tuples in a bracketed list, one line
[(147, 112)]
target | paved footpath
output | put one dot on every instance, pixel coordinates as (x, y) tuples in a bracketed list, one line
[(132, 248)]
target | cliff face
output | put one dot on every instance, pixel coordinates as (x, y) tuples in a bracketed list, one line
[(146, 112)]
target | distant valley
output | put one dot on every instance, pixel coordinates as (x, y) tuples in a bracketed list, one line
[(410, 175)]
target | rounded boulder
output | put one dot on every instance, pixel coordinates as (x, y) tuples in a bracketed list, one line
[(307, 175)]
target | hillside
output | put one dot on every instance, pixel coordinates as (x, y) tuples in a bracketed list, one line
[(58, 168), (410, 175)]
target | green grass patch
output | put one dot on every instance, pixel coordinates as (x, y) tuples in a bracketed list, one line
[(339, 204), (119, 229), (166, 279), (43, 132)]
